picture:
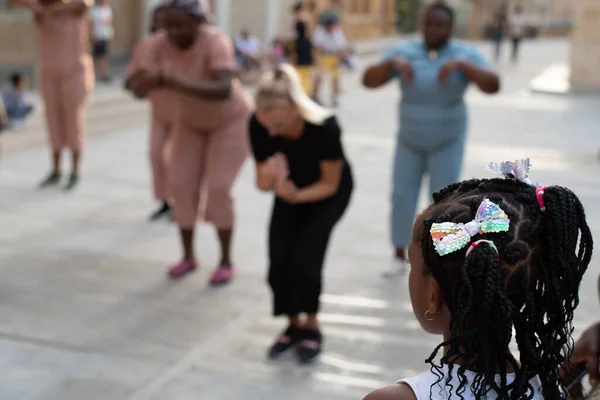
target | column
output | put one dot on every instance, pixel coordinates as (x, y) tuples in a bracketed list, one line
[(271, 18), (585, 46), (223, 14)]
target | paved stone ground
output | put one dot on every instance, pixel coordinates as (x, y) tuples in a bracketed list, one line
[(87, 312)]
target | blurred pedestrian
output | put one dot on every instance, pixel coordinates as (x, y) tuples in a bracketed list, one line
[(163, 104), (498, 31), (197, 63), (66, 77), (278, 52), (303, 56), (102, 22), (299, 157), (331, 45), (13, 94), (434, 73), (249, 54), (517, 27)]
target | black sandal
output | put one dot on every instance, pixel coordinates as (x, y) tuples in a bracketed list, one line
[(309, 346), (285, 343)]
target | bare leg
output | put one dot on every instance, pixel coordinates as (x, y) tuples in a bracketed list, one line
[(335, 82), (225, 242), (54, 177), (74, 178), (56, 162), (103, 66), (75, 157), (187, 241), (317, 86), (312, 322), (295, 320)]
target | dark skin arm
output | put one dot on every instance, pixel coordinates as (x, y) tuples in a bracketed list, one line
[(133, 84), (486, 80), (380, 74), (377, 75), (218, 89)]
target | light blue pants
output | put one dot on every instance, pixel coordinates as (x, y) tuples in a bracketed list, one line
[(443, 167)]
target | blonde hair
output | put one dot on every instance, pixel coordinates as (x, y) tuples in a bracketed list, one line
[(282, 87)]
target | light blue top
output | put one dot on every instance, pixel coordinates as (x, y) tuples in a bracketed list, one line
[(433, 115)]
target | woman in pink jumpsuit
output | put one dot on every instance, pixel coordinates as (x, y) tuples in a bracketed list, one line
[(66, 77), (163, 109), (196, 62)]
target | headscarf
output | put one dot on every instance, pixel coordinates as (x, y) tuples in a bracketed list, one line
[(196, 8)]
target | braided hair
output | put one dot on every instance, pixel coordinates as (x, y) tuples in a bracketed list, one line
[(530, 285)]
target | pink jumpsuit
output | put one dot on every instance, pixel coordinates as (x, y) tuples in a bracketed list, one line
[(66, 76), (210, 141), (163, 105)]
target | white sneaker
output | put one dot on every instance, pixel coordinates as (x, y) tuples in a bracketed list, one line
[(397, 267)]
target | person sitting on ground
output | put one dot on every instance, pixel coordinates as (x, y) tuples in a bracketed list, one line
[(13, 95), (248, 51)]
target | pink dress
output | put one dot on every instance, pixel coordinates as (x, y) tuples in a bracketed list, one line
[(66, 75), (210, 141)]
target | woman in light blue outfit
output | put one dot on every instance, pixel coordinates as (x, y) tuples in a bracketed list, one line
[(434, 73)]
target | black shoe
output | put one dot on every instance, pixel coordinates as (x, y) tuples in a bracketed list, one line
[(285, 344), (51, 180), (309, 346), (163, 211), (73, 182)]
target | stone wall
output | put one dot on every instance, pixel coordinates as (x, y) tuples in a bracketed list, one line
[(585, 47)]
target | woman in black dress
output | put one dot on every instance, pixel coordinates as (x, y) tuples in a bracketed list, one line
[(299, 157)]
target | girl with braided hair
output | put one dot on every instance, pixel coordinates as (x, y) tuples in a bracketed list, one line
[(494, 263)]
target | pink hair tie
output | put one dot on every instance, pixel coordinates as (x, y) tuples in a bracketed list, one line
[(477, 243), (539, 194)]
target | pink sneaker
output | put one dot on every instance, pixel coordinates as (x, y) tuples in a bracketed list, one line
[(222, 275), (182, 268)]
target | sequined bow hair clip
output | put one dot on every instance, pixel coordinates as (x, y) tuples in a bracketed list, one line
[(449, 237), (518, 169)]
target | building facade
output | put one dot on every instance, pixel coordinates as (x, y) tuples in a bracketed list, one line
[(264, 18)]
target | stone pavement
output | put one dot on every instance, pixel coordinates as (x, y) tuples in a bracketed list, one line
[(88, 314)]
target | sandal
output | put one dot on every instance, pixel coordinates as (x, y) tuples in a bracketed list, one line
[(309, 347), (222, 275), (285, 343), (182, 268)]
